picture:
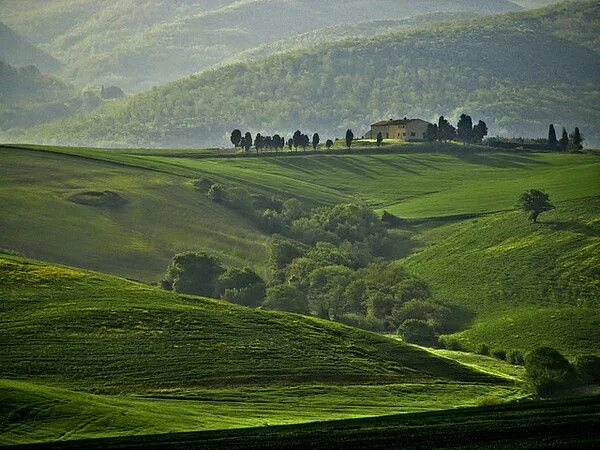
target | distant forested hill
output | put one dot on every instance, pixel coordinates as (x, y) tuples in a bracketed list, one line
[(16, 50), (27, 97), (518, 72), (137, 44)]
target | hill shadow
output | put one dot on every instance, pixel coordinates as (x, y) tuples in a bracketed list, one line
[(574, 227), (499, 160)]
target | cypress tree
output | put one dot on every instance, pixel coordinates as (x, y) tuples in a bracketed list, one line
[(552, 141)]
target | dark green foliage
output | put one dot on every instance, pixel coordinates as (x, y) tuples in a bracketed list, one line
[(564, 140), (445, 131), (515, 357), (587, 368), (329, 144), (464, 130), (431, 134), (217, 193), (483, 349), (349, 138), (499, 354), (548, 370), (195, 273), (435, 314), (417, 332), (534, 203), (577, 139), (241, 286), (204, 184), (316, 140), (379, 139), (450, 343), (236, 138), (286, 297), (391, 220), (480, 131), (552, 141), (282, 251)]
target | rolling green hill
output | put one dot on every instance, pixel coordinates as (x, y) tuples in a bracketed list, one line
[(436, 69), (143, 360), (103, 43)]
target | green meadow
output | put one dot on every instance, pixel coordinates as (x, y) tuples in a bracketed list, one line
[(89, 355)]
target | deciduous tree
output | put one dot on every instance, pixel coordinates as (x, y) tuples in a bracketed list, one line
[(534, 203)]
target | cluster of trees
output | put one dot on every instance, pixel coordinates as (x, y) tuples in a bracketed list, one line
[(330, 262), (567, 141), (277, 142), (465, 131)]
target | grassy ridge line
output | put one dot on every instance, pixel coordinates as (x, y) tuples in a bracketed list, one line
[(36, 413), (541, 424), (86, 330)]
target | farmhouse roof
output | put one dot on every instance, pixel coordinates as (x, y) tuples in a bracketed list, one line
[(395, 122)]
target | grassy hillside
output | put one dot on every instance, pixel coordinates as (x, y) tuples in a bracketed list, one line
[(529, 425), (102, 42), (88, 355), (427, 70), (19, 52)]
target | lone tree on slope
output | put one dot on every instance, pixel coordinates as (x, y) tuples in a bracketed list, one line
[(552, 141), (534, 203), (236, 138), (349, 138), (379, 139)]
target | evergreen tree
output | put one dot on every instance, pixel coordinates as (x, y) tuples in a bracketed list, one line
[(236, 138), (349, 138), (248, 141), (258, 142), (316, 140), (290, 143), (431, 134), (379, 139), (577, 139), (297, 139), (552, 141), (329, 144), (465, 128), (564, 140), (446, 132), (480, 131)]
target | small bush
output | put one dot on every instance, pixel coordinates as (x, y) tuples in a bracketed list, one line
[(588, 368), (515, 358), (483, 349), (499, 354), (417, 332), (450, 343), (203, 184), (167, 285), (217, 193), (548, 370)]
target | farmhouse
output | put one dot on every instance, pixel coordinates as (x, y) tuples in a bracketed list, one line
[(403, 129)]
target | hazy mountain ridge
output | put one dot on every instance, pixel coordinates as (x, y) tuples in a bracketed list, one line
[(102, 43), (18, 51), (477, 66)]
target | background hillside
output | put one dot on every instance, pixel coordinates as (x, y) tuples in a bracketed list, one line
[(449, 69), (18, 51), (103, 43)]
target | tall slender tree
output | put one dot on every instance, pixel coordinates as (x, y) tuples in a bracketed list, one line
[(258, 142), (315, 141), (248, 141), (577, 139), (552, 141), (379, 139), (465, 128), (349, 138), (431, 134), (480, 131), (564, 140)]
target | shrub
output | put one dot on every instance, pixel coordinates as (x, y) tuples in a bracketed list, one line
[(548, 370), (241, 286), (167, 285), (204, 184), (490, 401), (588, 368), (515, 358), (499, 354), (194, 273), (426, 310), (483, 349), (417, 332), (217, 193), (450, 343)]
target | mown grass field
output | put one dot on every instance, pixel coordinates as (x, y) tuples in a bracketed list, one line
[(76, 345), (89, 355)]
